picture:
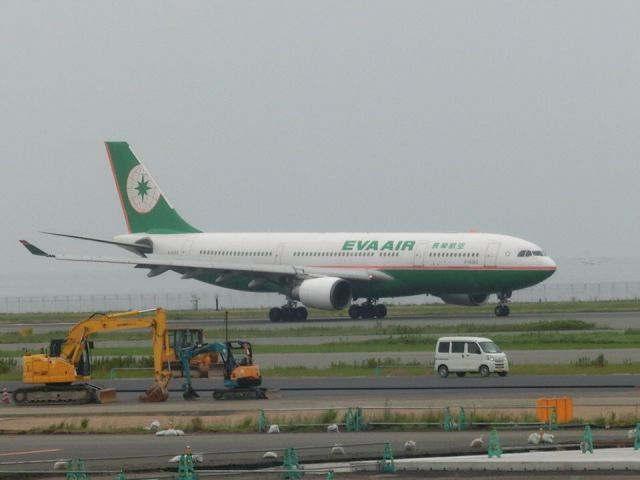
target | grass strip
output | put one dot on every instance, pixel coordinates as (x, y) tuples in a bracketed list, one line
[(346, 370), (27, 335), (388, 419), (420, 343), (372, 367)]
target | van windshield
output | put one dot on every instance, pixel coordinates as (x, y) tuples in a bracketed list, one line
[(490, 347)]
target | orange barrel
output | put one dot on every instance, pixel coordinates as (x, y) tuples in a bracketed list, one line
[(543, 412), (564, 408)]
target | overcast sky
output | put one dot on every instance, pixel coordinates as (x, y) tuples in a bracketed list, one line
[(520, 118)]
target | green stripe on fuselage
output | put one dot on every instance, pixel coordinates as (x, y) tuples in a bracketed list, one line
[(415, 282), (441, 281)]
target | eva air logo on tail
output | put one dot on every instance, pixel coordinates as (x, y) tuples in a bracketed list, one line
[(142, 191)]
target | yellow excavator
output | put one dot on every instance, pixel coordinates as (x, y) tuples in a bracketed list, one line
[(63, 373), (201, 364)]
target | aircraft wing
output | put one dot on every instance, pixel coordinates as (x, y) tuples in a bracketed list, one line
[(158, 264)]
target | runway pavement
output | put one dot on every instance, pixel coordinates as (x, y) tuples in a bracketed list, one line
[(615, 320), (147, 451), (348, 390)]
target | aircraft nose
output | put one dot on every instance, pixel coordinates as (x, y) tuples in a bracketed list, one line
[(551, 265)]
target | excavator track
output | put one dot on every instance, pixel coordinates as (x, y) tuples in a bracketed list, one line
[(61, 395)]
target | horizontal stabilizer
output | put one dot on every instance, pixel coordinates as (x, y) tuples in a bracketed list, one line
[(35, 250), (139, 248)]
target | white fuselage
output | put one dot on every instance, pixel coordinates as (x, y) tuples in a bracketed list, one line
[(419, 262)]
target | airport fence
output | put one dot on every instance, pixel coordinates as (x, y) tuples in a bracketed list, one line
[(221, 299), (585, 292)]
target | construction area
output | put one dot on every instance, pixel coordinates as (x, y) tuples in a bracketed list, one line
[(193, 421)]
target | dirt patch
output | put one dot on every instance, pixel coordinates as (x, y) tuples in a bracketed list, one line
[(121, 424)]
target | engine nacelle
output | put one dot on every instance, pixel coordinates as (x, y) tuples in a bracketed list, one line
[(466, 299), (327, 293)]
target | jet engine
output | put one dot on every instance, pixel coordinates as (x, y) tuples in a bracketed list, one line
[(466, 299), (327, 293)]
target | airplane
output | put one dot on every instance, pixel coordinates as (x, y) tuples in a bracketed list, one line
[(329, 271)]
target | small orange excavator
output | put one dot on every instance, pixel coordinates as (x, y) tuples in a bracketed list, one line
[(242, 378), (64, 372)]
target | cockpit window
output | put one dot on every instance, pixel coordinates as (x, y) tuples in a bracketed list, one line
[(529, 253)]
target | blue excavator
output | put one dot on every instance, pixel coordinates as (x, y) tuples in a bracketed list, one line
[(242, 377)]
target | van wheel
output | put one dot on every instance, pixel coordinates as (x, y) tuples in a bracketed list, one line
[(443, 371), (484, 371), (502, 374), (461, 374)]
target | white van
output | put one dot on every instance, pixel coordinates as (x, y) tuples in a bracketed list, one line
[(469, 354)]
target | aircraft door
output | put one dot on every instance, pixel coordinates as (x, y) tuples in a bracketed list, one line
[(277, 259), (186, 247), (491, 254), (419, 255)]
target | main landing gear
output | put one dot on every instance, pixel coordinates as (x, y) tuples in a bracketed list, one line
[(369, 309), (502, 309), (289, 312)]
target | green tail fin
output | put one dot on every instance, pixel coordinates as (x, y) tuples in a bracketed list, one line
[(145, 207)]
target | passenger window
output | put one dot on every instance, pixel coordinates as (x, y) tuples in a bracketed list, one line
[(457, 347), (443, 347), (473, 347)]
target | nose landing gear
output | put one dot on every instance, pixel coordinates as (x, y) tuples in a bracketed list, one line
[(502, 309)]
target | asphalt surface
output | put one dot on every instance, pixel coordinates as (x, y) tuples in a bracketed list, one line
[(232, 451), (326, 360), (615, 320), (419, 387)]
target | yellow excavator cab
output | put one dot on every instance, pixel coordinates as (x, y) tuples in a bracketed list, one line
[(185, 337)]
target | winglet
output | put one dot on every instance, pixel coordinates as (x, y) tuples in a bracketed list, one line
[(35, 250)]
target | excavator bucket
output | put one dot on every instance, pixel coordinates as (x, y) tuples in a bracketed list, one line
[(157, 393), (106, 395)]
